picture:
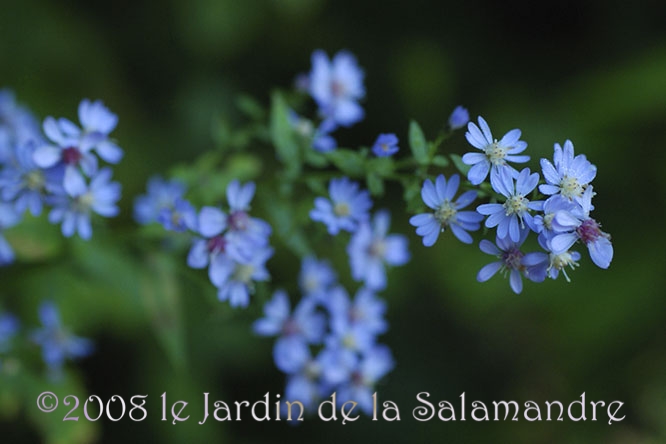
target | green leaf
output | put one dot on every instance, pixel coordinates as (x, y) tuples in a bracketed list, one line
[(462, 167), (417, 143), (375, 184), (250, 107), (315, 159), (412, 194), (161, 296), (440, 161), (383, 166), (349, 162), (283, 136)]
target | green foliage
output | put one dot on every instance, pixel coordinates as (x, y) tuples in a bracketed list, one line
[(417, 143)]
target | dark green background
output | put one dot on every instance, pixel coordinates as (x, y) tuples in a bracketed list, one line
[(593, 72)]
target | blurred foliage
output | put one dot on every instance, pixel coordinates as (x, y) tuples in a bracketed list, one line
[(185, 77)]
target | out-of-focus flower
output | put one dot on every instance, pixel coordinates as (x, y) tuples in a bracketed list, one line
[(347, 207), (371, 248), (58, 344), (337, 86), (458, 118), (386, 145)]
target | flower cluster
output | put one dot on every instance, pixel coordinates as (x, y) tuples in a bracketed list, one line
[(57, 169), (233, 245), (328, 342), (560, 218)]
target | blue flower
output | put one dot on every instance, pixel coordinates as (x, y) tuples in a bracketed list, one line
[(162, 194), (74, 147), (494, 153), (305, 384), (215, 249), (347, 208), (510, 261), (304, 323), (385, 145), (364, 314), (316, 277), (295, 331), (9, 326), (513, 215), (546, 225), (336, 86), (371, 247), (58, 344), (374, 365), (74, 211), (180, 217), (17, 126), (458, 118), (242, 228), (235, 280), (551, 263), (8, 218), (567, 175), (581, 227), (25, 184), (337, 363), (439, 197)]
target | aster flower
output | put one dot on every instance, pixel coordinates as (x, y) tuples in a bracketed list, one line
[(235, 280), (336, 86), (162, 194), (74, 147), (513, 215), (581, 227), (316, 277), (337, 363), (180, 217), (74, 211), (439, 197), (213, 250), (242, 228), (23, 183), (305, 384), (8, 218), (458, 118), (545, 223), (567, 175), (347, 208), (295, 331), (386, 145), (366, 312), (371, 248), (551, 263), (373, 366), (58, 344), (510, 261), (304, 323), (495, 154), (17, 125)]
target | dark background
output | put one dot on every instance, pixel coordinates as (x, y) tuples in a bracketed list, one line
[(593, 72)]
